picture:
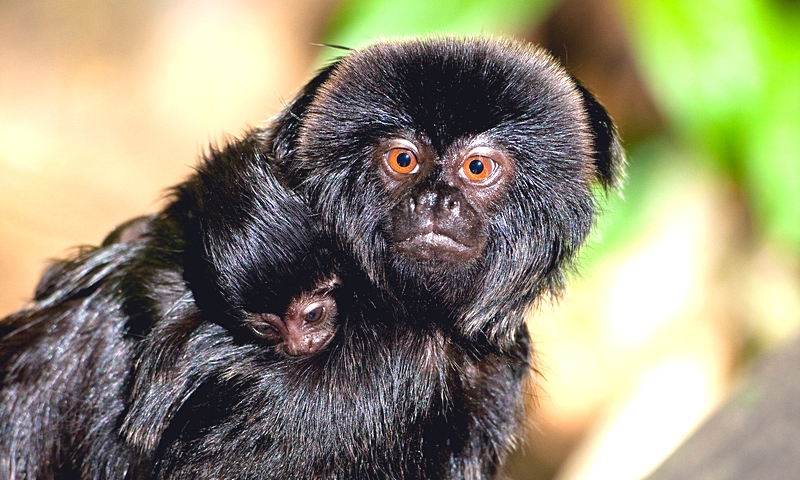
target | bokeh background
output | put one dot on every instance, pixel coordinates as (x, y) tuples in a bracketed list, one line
[(694, 271)]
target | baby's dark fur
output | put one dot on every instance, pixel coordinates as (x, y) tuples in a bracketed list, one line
[(135, 360)]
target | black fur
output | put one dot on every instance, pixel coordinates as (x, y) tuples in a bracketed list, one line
[(132, 361)]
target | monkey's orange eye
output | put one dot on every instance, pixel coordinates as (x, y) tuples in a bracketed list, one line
[(477, 168), (402, 160)]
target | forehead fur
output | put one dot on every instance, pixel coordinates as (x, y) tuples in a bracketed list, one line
[(446, 88)]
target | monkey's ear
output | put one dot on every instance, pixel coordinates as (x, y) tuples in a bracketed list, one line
[(281, 134), (609, 157)]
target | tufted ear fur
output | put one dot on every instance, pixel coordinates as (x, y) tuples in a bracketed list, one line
[(609, 157), (280, 136)]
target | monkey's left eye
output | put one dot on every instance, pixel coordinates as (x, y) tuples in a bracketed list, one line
[(478, 168), (314, 313), (402, 160)]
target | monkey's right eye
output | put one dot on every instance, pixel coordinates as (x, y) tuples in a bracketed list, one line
[(402, 160), (265, 330)]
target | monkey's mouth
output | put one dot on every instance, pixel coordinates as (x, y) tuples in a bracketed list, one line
[(436, 246)]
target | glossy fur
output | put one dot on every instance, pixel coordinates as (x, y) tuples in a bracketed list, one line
[(135, 360)]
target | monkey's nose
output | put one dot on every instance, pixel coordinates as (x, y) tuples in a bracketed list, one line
[(424, 202), (436, 204)]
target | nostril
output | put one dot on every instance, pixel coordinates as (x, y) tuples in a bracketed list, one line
[(450, 203), (422, 203)]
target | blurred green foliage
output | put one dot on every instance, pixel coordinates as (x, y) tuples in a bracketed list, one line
[(358, 21), (725, 74)]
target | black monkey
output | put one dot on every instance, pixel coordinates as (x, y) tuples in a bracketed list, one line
[(94, 370), (444, 184), (308, 322)]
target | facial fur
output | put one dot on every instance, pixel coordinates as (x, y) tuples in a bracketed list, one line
[(435, 230)]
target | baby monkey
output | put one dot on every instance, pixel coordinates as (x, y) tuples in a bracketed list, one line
[(308, 324), (309, 320)]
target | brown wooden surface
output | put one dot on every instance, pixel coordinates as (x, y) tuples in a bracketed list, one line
[(756, 435)]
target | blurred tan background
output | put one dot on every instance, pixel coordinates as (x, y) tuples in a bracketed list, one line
[(103, 105), (694, 271)]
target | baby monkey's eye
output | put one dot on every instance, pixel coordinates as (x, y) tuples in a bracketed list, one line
[(314, 313), (265, 330), (268, 326)]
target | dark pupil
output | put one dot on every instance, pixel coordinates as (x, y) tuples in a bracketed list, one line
[(476, 167), (404, 159)]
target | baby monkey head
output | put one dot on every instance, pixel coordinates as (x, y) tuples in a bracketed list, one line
[(307, 324)]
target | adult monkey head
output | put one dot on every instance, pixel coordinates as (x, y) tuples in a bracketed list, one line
[(457, 173)]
